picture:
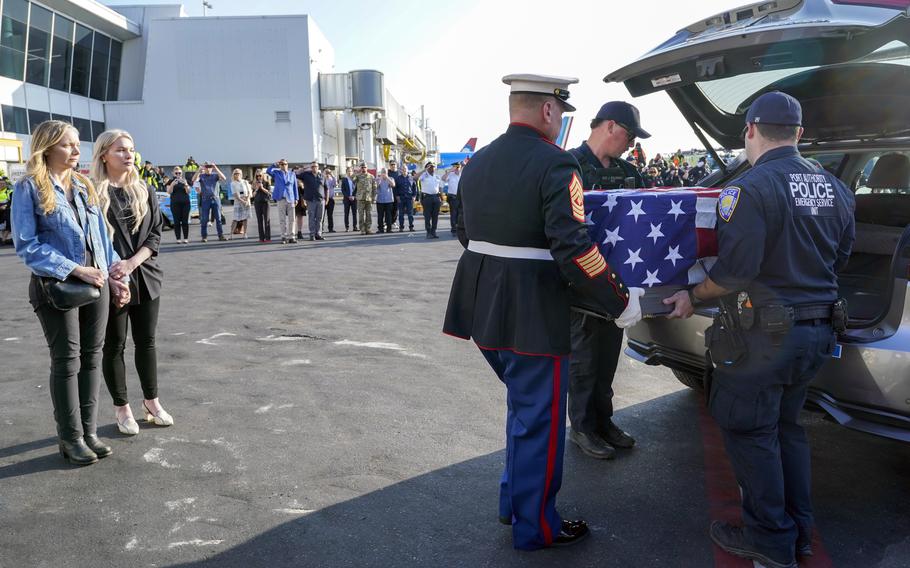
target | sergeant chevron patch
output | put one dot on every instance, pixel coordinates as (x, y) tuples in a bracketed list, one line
[(577, 196), (592, 263)]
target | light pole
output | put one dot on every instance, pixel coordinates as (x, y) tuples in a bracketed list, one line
[(205, 5)]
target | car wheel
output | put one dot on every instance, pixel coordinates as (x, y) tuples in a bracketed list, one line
[(690, 380)]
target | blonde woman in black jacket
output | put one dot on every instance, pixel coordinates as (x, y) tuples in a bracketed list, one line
[(135, 221)]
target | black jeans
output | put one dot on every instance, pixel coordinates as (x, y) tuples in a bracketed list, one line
[(384, 213), (74, 338), (431, 204), (144, 320), (330, 213), (596, 346), (350, 207), (263, 220), (181, 213)]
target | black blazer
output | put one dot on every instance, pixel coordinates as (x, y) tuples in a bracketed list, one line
[(145, 282)]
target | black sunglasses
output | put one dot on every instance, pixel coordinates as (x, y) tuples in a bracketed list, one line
[(629, 133)]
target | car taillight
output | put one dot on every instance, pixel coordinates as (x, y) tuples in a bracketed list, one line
[(897, 4)]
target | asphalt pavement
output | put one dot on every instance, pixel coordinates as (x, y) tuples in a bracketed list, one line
[(323, 419)]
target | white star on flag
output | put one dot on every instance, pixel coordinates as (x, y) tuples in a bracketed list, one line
[(655, 232), (676, 209), (652, 279), (673, 255), (634, 258), (588, 220), (610, 202), (636, 210), (613, 236)]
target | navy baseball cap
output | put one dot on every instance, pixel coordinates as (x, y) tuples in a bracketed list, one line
[(775, 108), (624, 114)]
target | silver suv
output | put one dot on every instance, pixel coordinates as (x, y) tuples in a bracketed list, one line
[(848, 62)]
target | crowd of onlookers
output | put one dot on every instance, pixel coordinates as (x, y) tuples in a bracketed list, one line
[(305, 197), (307, 200), (674, 170)]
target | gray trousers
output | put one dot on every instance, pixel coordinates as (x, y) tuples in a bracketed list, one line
[(315, 210), (287, 219)]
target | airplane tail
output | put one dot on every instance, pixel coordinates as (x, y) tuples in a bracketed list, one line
[(469, 145), (563, 137)]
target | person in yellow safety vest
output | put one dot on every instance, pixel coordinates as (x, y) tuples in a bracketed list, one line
[(150, 176), (191, 167), (137, 160), (6, 194)]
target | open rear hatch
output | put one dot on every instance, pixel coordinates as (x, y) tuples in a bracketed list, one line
[(846, 61)]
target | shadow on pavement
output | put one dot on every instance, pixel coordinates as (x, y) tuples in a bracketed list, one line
[(646, 508), (448, 517)]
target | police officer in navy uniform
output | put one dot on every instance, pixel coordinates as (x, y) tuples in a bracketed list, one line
[(597, 342), (785, 228), (523, 225)]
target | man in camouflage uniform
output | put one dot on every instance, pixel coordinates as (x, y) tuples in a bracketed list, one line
[(365, 185)]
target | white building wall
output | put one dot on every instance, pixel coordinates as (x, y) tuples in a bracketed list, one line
[(217, 85), (132, 69)]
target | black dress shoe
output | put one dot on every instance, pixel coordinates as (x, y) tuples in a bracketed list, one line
[(614, 436), (77, 453), (570, 533), (731, 539), (592, 445), (94, 444), (505, 521), (320, 237)]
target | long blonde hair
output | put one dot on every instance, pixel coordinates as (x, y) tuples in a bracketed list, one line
[(45, 136), (137, 194)]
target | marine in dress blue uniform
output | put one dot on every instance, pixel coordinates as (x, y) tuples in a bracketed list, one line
[(527, 249), (785, 228)]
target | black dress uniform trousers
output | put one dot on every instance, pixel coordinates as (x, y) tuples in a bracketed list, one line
[(757, 405), (596, 347)]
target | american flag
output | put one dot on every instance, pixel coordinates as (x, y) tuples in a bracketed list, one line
[(655, 237)]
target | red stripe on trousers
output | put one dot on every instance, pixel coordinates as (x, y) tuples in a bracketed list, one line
[(725, 501), (551, 449)]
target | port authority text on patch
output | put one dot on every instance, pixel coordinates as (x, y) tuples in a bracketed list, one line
[(814, 192)]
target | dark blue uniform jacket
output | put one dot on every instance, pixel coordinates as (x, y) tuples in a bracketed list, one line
[(785, 228), (523, 191)]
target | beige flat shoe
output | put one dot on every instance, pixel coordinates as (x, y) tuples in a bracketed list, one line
[(160, 419)]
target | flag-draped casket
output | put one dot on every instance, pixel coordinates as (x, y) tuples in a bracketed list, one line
[(655, 237)]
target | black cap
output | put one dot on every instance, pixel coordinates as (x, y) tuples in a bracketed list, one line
[(624, 114), (775, 108)]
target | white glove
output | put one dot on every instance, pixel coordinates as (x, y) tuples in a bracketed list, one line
[(632, 314)]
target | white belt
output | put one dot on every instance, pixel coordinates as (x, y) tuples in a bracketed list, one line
[(525, 253)]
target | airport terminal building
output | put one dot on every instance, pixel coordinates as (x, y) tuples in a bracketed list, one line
[(239, 91)]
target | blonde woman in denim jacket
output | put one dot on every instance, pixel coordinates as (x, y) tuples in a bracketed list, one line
[(60, 233)]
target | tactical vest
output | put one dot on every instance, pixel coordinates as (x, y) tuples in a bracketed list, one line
[(613, 177)]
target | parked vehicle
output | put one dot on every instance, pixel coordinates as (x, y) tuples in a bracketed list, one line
[(164, 203), (848, 63)]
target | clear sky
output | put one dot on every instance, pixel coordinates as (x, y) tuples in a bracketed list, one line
[(451, 56)]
